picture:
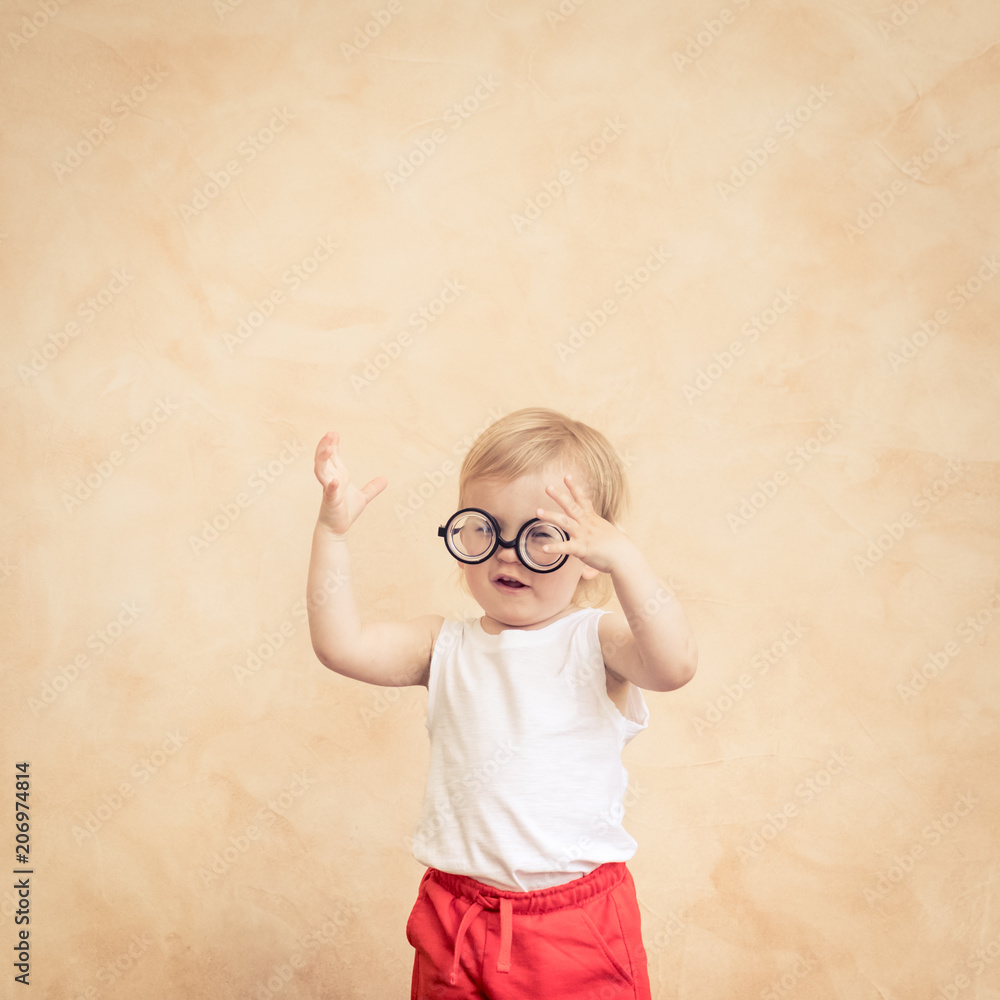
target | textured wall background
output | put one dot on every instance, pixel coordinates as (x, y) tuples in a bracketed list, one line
[(756, 242)]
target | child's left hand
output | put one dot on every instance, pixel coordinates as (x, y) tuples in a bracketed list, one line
[(592, 539)]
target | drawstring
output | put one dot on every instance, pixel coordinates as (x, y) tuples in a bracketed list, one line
[(476, 907), (471, 913), (503, 959)]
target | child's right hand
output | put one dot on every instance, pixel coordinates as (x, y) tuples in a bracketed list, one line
[(342, 502)]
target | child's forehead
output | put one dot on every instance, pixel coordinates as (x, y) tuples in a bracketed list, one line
[(528, 485)]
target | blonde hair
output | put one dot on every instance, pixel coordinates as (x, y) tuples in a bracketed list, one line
[(534, 438)]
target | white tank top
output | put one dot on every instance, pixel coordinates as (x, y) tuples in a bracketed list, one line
[(525, 787)]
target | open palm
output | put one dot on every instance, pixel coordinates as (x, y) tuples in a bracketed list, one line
[(342, 501)]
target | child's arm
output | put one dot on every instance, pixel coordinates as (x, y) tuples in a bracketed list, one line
[(390, 653), (652, 644)]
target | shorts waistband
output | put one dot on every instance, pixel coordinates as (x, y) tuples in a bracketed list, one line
[(601, 880)]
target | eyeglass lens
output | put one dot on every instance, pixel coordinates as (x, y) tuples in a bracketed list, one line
[(471, 536)]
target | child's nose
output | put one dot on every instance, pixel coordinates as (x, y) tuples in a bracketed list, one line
[(506, 555)]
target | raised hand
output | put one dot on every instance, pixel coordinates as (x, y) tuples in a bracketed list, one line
[(342, 501), (594, 540)]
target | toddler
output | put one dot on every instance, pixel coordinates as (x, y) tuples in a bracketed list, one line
[(526, 894)]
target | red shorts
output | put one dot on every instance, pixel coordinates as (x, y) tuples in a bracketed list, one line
[(577, 941)]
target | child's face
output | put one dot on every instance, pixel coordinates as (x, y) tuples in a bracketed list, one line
[(544, 597)]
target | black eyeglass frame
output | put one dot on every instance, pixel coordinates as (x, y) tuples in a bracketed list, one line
[(514, 543)]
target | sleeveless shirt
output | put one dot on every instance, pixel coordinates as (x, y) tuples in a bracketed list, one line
[(525, 786)]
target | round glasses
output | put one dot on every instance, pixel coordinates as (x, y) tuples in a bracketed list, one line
[(472, 536)]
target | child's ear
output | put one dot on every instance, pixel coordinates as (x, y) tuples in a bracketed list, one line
[(589, 573)]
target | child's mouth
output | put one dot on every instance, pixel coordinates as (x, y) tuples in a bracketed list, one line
[(509, 583)]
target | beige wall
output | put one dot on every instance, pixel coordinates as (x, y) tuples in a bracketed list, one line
[(220, 224)]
